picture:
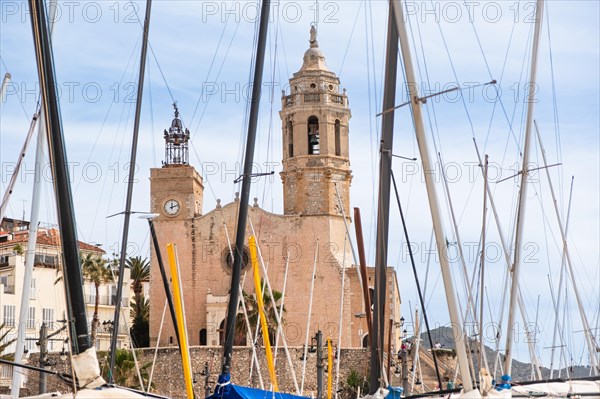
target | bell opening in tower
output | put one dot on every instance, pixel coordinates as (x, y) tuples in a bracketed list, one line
[(313, 136), (176, 143)]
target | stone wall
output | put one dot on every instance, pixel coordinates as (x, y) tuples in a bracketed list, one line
[(168, 373)]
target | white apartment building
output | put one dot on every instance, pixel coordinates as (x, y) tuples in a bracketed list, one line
[(47, 298)]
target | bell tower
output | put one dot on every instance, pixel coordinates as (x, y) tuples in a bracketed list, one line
[(315, 118), (176, 189)]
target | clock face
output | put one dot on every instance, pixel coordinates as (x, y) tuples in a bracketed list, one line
[(172, 207)]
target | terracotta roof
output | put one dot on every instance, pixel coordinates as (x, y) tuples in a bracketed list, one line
[(50, 238)]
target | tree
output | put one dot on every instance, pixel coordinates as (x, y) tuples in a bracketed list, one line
[(95, 270), (125, 373), (4, 343), (140, 306), (140, 329), (253, 316)]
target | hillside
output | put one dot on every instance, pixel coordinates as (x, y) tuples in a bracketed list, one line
[(520, 371)]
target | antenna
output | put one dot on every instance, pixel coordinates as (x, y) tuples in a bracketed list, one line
[(24, 202)]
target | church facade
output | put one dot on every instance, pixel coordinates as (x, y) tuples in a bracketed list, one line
[(316, 179)]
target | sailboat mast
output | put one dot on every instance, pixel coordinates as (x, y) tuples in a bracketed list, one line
[(246, 182), (434, 207), (5, 82), (383, 208), (127, 213), (80, 339), (524, 184)]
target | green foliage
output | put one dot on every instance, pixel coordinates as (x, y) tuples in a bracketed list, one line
[(18, 248), (354, 381), (140, 306), (140, 329), (125, 373), (253, 315), (4, 343), (95, 269)]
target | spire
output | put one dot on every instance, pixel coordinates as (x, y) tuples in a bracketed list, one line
[(314, 59), (176, 142)]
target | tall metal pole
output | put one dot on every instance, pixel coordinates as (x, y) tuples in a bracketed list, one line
[(165, 280), (418, 284), (127, 213), (482, 263), (319, 364), (434, 207), (360, 244), (80, 339), (589, 337), (43, 357), (383, 204), (245, 197), (523, 192)]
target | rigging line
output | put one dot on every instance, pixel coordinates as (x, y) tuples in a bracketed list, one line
[(272, 102), (139, 21), (498, 97), (150, 102), (242, 134), (555, 108), (131, 57), (350, 39), (370, 119), (210, 67), (455, 75), (18, 96), (216, 78)]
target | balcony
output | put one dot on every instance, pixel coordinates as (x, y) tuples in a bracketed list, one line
[(9, 289), (315, 97), (105, 300)]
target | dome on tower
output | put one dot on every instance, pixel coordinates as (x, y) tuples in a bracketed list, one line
[(314, 59)]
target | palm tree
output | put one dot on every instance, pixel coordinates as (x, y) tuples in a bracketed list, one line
[(95, 270), (139, 272), (140, 329), (125, 373), (140, 306), (253, 317)]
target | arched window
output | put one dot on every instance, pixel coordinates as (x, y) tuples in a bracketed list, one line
[(203, 337), (313, 135), (221, 331), (290, 131), (338, 150), (365, 341)]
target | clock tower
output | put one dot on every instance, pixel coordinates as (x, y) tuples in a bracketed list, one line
[(176, 192), (176, 188)]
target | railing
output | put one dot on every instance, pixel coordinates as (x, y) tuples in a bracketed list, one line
[(312, 98), (288, 101), (337, 99), (294, 99), (9, 289), (106, 300)]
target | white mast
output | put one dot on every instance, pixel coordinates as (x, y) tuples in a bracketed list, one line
[(5, 82), (33, 229), (461, 351), (523, 193), (563, 232)]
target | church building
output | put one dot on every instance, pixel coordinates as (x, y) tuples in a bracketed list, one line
[(316, 179)]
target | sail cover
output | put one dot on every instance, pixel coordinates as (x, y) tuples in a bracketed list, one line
[(226, 390)]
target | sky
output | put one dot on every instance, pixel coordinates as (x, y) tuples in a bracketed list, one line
[(200, 56)]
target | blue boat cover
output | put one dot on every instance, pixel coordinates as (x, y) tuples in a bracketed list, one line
[(226, 390)]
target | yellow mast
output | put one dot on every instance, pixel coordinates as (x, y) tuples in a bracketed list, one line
[(179, 313), (261, 312), (329, 367)]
